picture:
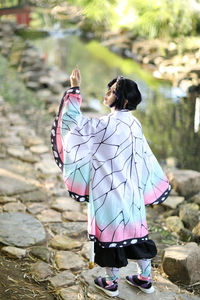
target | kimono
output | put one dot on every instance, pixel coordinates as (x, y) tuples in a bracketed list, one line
[(108, 163)]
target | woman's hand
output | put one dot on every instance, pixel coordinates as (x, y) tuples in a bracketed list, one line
[(75, 77)]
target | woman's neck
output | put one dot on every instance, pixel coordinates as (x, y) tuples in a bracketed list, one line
[(113, 109)]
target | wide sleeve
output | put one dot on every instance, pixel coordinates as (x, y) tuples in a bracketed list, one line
[(71, 139), (155, 184)]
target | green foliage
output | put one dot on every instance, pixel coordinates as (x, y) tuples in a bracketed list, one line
[(169, 127), (160, 18), (14, 90), (125, 66), (147, 18), (11, 3)]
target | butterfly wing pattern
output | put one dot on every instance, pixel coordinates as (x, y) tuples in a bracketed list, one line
[(108, 163)]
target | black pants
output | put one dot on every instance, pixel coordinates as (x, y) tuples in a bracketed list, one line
[(117, 257)]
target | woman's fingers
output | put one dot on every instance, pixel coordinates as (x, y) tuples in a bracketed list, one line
[(75, 76), (72, 74), (78, 73)]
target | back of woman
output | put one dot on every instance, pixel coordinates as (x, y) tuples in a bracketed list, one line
[(108, 163)]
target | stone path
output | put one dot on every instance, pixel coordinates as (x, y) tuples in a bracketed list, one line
[(40, 224)]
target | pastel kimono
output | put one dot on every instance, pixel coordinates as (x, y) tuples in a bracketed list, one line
[(108, 162)]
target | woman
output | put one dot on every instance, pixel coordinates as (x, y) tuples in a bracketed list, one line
[(108, 162)]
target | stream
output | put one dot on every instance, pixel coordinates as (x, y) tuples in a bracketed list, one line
[(98, 66), (166, 114)]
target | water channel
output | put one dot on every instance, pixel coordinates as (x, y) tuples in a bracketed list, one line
[(167, 117)]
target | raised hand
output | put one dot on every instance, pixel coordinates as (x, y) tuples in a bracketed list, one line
[(75, 77)]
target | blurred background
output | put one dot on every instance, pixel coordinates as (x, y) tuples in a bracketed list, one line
[(154, 42)]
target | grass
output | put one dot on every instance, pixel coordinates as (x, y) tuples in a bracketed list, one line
[(166, 236), (24, 101), (12, 88), (127, 66)]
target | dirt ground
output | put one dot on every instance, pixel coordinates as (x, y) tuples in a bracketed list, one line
[(16, 283)]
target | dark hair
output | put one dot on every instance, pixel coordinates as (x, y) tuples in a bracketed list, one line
[(125, 89)]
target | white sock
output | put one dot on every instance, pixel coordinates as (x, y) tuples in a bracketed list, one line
[(144, 267), (112, 273)]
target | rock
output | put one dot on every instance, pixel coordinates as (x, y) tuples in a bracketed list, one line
[(185, 182), (74, 216), (30, 76), (186, 235), (23, 131), (66, 203), (56, 88), (16, 119), (52, 108), (189, 215), (14, 206), (27, 63), (46, 81), (32, 141), (52, 100), (36, 67), (7, 28), (171, 212), (158, 60), (73, 292), (20, 168), (44, 93), (173, 201), (196, 199), (92, 295), (182, 263), (49, 83), (85, 252), (30, 53), (85, 210), (165, 289), (49, 215), (72, 229), (60, 191), (174, 224), (66, 260), (192, 206), (35, 196), (60, 77), (47, 166), (41, 271), (172, 162), (196, 229), (35, 208), (33, 85), (14, 252), (30, 158), (16, 151), (21, 230), (63, 242), (185, 84), (173, 193), (12, 184), (5, 199), (15, 141), (40, 252), (39, 149), (64, 278)]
